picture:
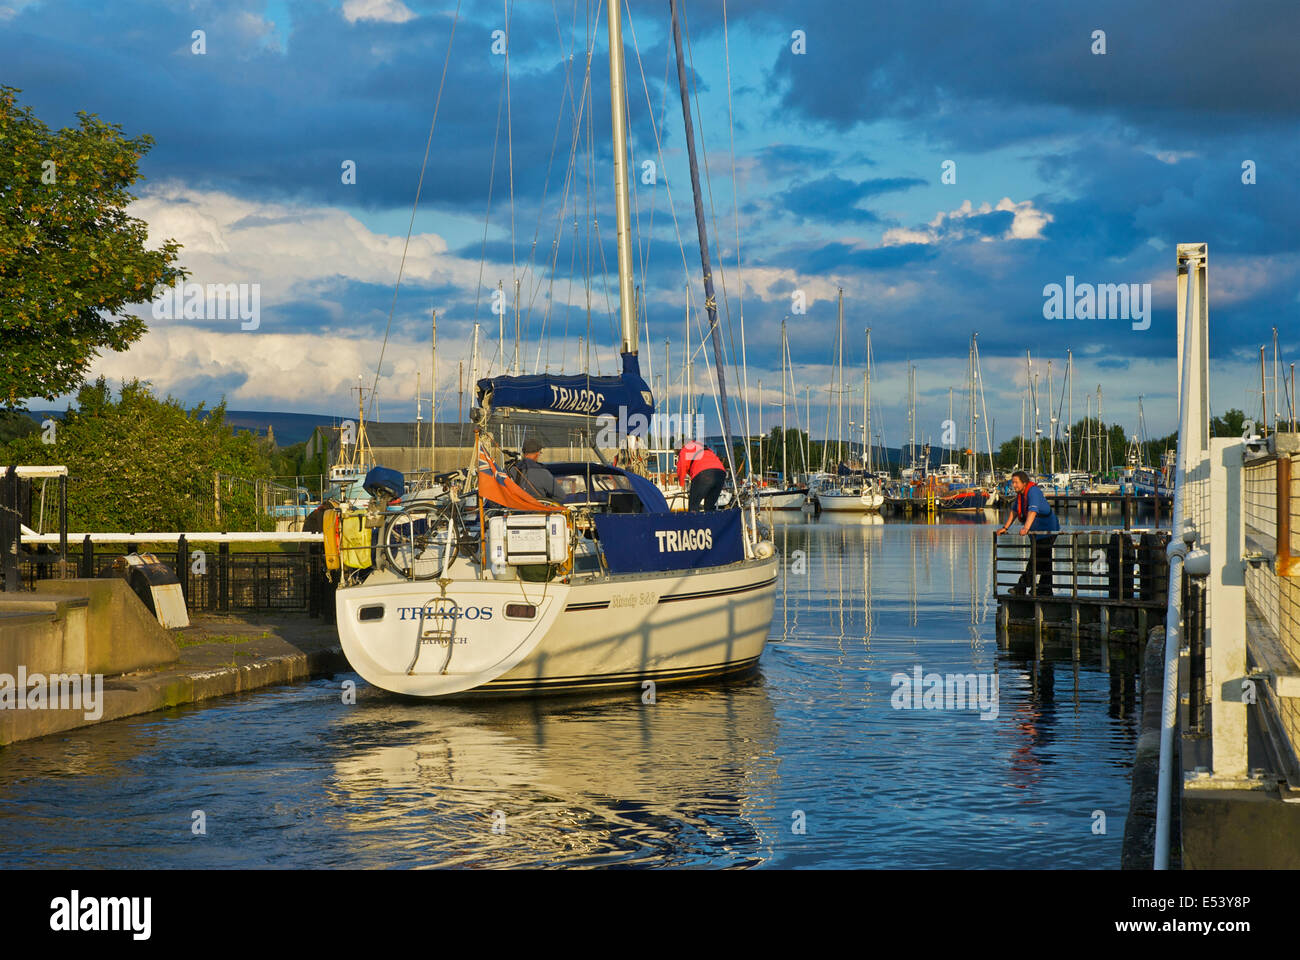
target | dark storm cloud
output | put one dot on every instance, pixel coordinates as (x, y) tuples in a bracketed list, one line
[(787, 159), (833, 199), (266, 123), (1205, 63), (839, 256)]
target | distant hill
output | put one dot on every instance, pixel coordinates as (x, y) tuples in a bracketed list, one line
[(290, 428)]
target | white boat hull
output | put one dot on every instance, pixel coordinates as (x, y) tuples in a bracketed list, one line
[(850, 503), (605, 633), (783, 501)]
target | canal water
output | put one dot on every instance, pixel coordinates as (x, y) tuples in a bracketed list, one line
[(817, 762)]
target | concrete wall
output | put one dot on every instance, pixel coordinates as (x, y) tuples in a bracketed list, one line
[(44, 636), (81, 626)]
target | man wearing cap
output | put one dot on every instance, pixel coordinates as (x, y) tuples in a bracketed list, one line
[(706, 473), (531, 475)]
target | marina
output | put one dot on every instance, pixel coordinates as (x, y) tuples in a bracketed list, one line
[(490, 443), (613, 780)]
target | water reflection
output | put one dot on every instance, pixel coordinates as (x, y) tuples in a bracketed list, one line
[(712, 776), (582, 783)]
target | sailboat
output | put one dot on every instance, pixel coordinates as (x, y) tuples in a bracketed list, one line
[(961, 492), (787, 495), (602, 588), (847, 491)]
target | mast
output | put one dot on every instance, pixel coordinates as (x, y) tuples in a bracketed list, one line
[(1021, 458), (807, 437), (839, 381), (419, 418), (1087, 435), (1100, 466), (785, 476), (688, 364), (970, 386), (911, 418), (473, 362), (514, 367), (1277, 409), (1263, 396), (1051, 423), (952, 452), (1038, 430), (988, 424), (618, 123), (710, 302), (866, 413), (433, 401), (668, 406), (1069, 415)]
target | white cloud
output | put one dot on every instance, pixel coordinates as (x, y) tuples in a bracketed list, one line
[(290, 249), (895, 236), (382, 11), (1027, 223), (296, 254), (11, 8), (305, 255)]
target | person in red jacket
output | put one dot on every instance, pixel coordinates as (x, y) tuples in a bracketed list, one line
[(705, 470)]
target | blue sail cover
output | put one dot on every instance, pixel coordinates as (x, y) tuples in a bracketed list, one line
[(577, 393)]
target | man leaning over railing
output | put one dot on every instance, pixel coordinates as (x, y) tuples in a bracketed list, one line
[(1039, 523)]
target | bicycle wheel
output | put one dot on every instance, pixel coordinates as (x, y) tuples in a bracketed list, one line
[(420, 542)]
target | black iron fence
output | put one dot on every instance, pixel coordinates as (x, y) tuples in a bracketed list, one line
[(1123, 565), (216, 579), (15, 513)]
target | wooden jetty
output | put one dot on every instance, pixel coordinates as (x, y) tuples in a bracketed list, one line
[(1112, 584), (1128, 505)]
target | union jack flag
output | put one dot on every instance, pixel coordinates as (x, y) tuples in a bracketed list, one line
[(495, 485)]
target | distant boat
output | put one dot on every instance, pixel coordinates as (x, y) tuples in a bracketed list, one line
[(849, 490)]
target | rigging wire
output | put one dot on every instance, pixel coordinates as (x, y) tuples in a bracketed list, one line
[(415, 206)]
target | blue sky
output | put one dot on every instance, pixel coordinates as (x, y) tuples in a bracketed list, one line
[(1067, 162)]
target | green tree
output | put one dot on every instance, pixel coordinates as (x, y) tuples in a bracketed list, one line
[(71, 260), (15, 423), (141, 463), (1231, 424)]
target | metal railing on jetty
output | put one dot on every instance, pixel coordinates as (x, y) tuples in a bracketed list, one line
[(1129, 505), (1093, 566), (1232, 634), (1112, 583)]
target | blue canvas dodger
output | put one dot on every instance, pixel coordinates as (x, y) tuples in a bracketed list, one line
[(640, 543)]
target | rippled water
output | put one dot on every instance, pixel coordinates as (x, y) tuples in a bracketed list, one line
[(704, 777)]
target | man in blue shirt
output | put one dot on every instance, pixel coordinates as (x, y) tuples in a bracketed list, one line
[(1039, 523)]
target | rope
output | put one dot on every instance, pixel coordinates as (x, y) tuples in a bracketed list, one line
[(415, 206)]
